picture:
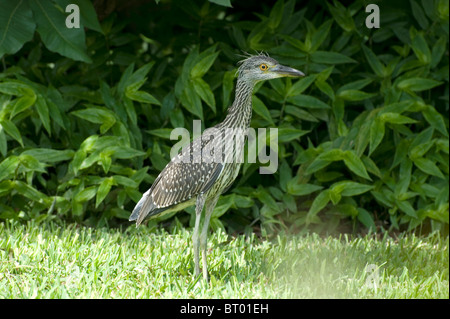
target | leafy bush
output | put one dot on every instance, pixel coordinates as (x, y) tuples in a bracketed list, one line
[(363, 138)]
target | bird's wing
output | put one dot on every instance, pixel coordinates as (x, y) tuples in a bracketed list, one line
[(181, 180)]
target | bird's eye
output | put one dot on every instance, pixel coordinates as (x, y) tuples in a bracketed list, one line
[(263, 67)]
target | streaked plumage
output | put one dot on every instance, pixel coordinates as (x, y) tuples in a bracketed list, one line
[(191, 179)]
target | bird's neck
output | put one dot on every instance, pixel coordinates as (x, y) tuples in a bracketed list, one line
[(240, 112)]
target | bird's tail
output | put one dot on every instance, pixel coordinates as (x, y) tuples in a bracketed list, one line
[(142, 209)]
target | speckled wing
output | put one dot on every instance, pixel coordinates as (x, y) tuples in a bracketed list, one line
[(181, 180)]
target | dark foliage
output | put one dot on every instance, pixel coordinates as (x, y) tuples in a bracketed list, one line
[(86, 114)]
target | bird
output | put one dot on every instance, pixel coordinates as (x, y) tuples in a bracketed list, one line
[(191, 177)]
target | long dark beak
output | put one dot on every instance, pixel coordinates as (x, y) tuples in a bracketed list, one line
[(286, 71)]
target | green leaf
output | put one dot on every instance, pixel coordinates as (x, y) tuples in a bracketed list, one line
[(105, 160), (440, 214), (349, 188), (8, 166), (327, 57), (301, 85), (320, 35), (183, 80), (238, 36), (78, 160), (316, 165), (374, 62), (31, 163), (141, 96), (295, 43), (108, 98), (325, 74), (285, 175), (12, 130), (16, 26), (355, 164), (308, 102), (442, 145), (418, 84), (158, 161), (423, 137), (223, 205), (125, 80), (286, 134), (370, 165), (376, 134), (42, 109), (419, 15), (395, 118), (243, 201), (5, 187), (124, 152), (276, 14), (203, 65), (204, 91), (318, 204), (54, 33), (161, 132), (85, 195), (22, 103), (103, 190), (97, 115), (324, 159), (290, 202), (3, 142), (191, 101), (355, 95), (15, 88), (48, 155), (356, 85), (342, 16), (225, 3), (138, 78), (300, 114), (334, 196), (332, 155), (438, 51), (435, 119), (325, 88), (227, 87), (56, 112), (88, 15), (406, 207), (29, 192), (428, 166), (404, 177), (260, 109), (266, 199), (443, 11), (365, 218), (420, 48), (294, 188), (88, 161)]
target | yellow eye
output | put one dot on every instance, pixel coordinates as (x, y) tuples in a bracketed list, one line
[(263, 67)]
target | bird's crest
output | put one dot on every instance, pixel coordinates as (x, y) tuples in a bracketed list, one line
[(248, 56)]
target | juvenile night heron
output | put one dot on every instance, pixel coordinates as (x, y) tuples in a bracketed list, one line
[(193, 178)]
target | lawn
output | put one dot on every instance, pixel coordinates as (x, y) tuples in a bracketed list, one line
[(50, 261)]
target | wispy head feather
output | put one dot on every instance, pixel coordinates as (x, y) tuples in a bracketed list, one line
[(252, 60)]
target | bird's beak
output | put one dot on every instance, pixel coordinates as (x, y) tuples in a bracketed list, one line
[(286, 71)]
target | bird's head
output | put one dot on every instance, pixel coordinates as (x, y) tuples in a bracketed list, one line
[(262, 67)]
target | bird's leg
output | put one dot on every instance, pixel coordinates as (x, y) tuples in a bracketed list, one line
[(195, 238), (203, 237)]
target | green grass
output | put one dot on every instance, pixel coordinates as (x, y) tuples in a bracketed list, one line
[(49, 261)]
